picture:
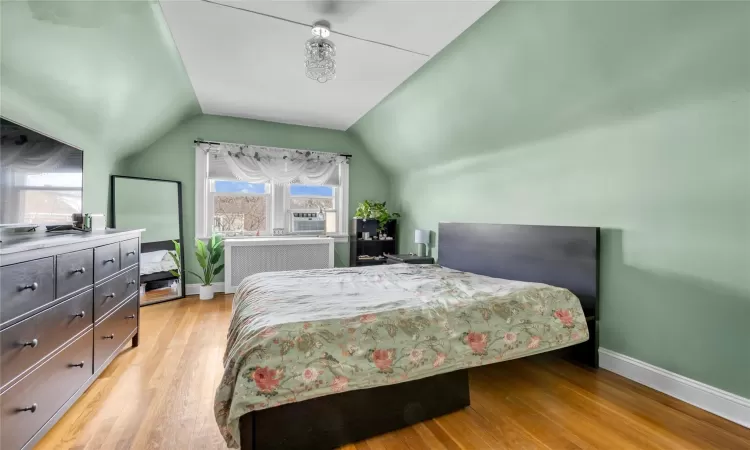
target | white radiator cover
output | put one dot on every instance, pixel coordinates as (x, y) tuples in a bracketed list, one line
[(248, 256)]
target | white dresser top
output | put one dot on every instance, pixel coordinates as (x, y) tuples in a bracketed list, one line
[(24, 242)]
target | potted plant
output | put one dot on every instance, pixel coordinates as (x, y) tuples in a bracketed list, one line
[(175, 254), (375, 210), (365, 210), (383, 216), (208, 257)]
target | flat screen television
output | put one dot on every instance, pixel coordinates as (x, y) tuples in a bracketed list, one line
[(41, 179)]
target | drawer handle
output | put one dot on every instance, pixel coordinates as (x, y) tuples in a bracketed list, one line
[(31, 409), (132, 252), (110, 260), (80, 315), (112, 295), (111, 336), (80, 364), (131, 282), (33, 286), (32, 343), (132, 316), (81, 270)]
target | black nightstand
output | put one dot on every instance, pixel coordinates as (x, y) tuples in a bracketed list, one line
[(360, 247), (408, 259)]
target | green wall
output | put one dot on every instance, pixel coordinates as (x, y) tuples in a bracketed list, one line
[(152, 205), (631, 116), (173, 157), (105, 77)]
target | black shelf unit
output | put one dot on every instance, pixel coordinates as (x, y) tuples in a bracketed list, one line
[(372, 247)]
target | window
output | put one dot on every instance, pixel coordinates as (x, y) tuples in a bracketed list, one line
[(239, 207), (313, 199), (230, 207), (310, 197)]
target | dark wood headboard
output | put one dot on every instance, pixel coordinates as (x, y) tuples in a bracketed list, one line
[(156, 246), (566, 257)]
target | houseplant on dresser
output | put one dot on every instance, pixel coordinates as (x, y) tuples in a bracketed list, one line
[(208, 254)]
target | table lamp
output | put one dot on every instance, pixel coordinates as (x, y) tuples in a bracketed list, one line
[(422, 239)]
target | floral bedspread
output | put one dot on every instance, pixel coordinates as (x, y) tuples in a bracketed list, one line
[(303, 334)]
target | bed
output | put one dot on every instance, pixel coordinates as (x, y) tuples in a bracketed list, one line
[(156, 262), (318, 359)]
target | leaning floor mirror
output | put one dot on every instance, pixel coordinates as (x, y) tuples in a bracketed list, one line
[(156, 206)]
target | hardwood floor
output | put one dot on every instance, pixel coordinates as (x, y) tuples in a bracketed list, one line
[(160, 395), (157, 295)]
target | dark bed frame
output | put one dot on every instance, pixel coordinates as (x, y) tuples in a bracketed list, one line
[(147, 247), (157, 279), (560, 256)]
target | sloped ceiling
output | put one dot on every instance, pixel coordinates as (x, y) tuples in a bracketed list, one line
[(108, 77), (103, 76), (528, 71), (245, 57)]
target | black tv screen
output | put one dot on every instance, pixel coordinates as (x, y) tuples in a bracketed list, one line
[(41, 179)]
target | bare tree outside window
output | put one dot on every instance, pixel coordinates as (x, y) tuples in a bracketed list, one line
[(233, 213), (311, 203)]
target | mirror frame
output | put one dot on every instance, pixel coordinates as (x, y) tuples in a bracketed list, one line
[(113, 224)]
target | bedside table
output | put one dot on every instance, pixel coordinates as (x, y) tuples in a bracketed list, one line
[(408, 259)]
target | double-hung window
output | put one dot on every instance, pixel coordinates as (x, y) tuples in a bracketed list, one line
[(305, 200), (229, 206), (239, 207)]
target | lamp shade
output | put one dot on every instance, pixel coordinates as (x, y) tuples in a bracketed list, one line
[(421, 236)]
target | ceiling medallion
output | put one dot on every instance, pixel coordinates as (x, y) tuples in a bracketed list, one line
[(319, 53)]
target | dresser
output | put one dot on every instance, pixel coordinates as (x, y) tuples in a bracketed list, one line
[(68, 305)]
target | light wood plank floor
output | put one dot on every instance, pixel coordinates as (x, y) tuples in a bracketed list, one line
[(160, 395)]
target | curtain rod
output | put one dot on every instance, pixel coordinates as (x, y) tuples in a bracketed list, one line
[(201, 141)]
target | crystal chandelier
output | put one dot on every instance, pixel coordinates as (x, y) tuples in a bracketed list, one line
[(319, 53)]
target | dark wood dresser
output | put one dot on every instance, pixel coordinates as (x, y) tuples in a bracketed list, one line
[(68, 305)]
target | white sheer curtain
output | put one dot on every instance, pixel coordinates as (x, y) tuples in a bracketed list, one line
[(34, 157), (276, 165)]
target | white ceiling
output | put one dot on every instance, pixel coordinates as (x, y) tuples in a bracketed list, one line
[(250, 65)]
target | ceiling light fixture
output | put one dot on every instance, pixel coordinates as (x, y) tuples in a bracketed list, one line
[(319, 53)]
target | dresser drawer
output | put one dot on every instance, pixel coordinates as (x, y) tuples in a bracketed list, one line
[(106, 261), (25, 343), (75, 271), (111, 293), (43, 392), (129, 251), (111, 332), (24, 288)]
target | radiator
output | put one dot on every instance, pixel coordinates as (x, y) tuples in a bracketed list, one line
[(248, 256)]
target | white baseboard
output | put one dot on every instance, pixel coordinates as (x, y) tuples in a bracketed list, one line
[(722, 403), (194, 289)]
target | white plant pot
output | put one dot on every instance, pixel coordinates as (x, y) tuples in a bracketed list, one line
[(207, 292)]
